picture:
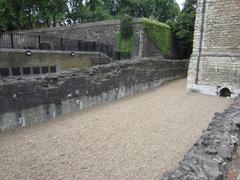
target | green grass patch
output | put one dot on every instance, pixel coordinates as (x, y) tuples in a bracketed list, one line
[(159, 33)]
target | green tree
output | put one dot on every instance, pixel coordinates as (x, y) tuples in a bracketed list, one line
[(161, 10), (126, 36), (183, 27), (91, 10), (164, 10), (5, 15), (52, 12)]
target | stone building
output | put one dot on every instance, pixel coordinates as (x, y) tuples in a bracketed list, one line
[(215, 63)]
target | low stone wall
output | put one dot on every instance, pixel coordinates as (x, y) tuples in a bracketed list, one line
[(211, 155), (18, 60), (27, 100)]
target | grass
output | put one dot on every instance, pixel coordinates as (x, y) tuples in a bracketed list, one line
[(159, 33)]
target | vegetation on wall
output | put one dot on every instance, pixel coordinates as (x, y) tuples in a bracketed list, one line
[(126, 36), (159, 33)]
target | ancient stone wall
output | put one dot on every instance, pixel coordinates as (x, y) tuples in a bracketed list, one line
[(103, 31), (211, 156), (215, 62), (27, 100)]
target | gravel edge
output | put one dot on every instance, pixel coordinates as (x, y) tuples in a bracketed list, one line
[(210, 156)]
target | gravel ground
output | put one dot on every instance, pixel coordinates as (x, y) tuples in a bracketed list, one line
[(139, 137), (234, 169)]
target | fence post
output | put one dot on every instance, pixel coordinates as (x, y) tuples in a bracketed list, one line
[(12, 44), (39, 42), (62, 44)]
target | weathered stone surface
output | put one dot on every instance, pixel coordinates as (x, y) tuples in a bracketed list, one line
[(217, 47), (62, 60), (105, 32), (26, 100), (209, 156)]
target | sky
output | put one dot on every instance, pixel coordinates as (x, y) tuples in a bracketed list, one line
[(180, 2)]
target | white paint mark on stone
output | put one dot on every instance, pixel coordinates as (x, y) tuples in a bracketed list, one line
[(77, 92)]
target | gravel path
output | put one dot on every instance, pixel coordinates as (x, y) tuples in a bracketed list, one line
[(139, 137)]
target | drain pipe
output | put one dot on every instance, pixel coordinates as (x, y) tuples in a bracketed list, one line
[(200, 41)]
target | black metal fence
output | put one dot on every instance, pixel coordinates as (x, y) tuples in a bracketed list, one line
[(23, 41)]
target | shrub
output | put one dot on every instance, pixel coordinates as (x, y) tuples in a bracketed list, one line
[(126, 27), (126, 37)]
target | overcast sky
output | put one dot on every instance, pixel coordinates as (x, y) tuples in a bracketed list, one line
[(180, 2)]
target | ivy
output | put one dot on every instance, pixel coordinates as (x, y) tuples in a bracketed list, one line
[(159, 33)]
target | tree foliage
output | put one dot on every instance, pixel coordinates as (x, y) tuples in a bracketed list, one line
[(126, 36), (183, 27), (126, 27), (29, 14)]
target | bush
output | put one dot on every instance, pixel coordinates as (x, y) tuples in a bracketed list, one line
[(126, 37), (126, 27)]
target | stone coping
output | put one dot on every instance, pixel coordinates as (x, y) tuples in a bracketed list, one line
[(74, 26), (3, 50)]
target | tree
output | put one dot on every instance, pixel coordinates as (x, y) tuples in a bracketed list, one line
[(91, 10), (162, 10), (183, 27), (52, 12), (29, 14), (5, 15)]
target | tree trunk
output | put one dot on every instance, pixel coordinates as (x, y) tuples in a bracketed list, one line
[(54, 21)]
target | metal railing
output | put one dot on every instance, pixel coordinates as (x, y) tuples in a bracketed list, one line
[(23, 41), (32, 42)]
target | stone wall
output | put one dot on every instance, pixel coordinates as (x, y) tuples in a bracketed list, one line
[(215, 62), (13, 59), (27, 100), (210, 157), (103, 31)]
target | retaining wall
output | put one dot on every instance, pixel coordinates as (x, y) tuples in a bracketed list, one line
[(27, 100), (105, 32), (18, 60), (211, 156)]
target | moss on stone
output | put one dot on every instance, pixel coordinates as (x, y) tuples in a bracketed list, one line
[(159, 33)]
